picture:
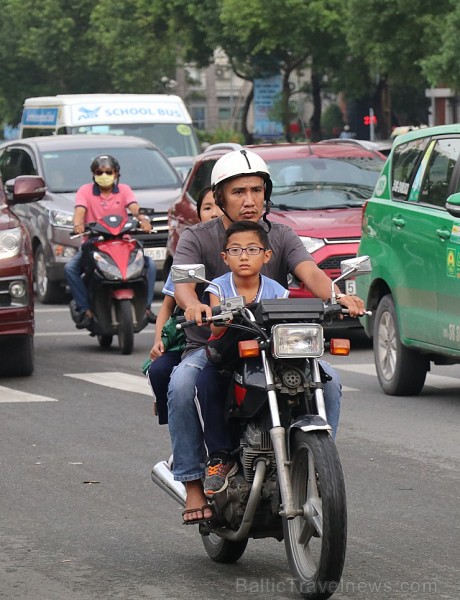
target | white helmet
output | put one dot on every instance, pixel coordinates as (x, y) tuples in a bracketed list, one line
[(239, 163)]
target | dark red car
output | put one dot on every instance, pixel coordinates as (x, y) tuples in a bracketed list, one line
[(16, 291), (318, 190)]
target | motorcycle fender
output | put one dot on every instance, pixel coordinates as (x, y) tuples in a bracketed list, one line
[(123, 294), (310, 423)]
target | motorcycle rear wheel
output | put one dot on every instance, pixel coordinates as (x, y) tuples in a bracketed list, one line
[(223, 551), (105, 341), (125, 326), (316, 541)]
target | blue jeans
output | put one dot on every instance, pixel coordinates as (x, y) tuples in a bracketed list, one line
[(78, 287), (186, 421), (184, 418), (159, 375)]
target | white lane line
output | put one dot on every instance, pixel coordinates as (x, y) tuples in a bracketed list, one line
[(58, 334), (119, 381), (10, 395), (435, 381)]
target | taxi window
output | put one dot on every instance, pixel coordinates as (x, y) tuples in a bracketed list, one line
[(443, 159), (406, 158)]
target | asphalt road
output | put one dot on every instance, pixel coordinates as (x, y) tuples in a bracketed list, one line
[(81, 520)]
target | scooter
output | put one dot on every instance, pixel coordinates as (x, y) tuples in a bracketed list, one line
[(289, 484), (115, 274)]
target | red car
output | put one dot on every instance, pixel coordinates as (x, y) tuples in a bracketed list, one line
[(318, 190), (16, 291)]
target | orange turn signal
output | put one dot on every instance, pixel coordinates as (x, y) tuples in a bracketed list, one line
[(339, 346), (248, 349)]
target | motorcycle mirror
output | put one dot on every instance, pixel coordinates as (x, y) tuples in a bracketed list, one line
[(187, 273), (193, 274), (361, 265)]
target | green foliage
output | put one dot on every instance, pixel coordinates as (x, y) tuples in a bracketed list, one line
[(331, 121), (220, 135)]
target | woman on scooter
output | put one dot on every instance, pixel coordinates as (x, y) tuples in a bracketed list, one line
[(93, 201)]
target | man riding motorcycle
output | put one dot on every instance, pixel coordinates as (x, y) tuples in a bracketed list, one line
[(242, 188)]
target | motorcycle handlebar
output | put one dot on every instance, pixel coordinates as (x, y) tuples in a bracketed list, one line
[(330, 310)]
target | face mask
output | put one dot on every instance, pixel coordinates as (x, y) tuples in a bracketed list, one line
[(104, 180)]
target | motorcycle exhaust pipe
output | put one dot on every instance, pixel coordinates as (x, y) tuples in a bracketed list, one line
[(162, 476)]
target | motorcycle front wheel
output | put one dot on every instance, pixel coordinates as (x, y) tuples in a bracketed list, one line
[(125, 326), (223, 551), (316, 541)]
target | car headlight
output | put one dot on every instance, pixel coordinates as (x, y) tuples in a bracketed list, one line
[(60, 218), (297, 341), (10, 242), (312, 244), (136, 266), (108, 268)]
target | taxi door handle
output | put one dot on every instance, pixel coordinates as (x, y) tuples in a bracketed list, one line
[(443, 233), (398, 221)]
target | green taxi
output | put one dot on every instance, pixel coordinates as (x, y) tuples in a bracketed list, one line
[(411, 231)]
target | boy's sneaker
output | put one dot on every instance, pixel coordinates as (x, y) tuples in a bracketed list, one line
[(217, 473)]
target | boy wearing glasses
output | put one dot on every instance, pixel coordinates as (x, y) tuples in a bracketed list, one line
[(246, 250), (94, 201)]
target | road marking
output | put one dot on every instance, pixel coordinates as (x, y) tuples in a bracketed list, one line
[(119, 381), (11, 395), (440, 382), (58, 334)]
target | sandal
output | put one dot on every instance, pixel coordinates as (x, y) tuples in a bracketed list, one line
[(201, 509)]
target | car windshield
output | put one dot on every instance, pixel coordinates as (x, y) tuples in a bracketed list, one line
[(321, 183), (141, 168), (172, 138)]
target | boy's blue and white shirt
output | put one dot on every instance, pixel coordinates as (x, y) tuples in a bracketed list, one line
[(268, 288), (168, 288)]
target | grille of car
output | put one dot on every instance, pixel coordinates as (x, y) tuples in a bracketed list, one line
[(159, 235), (333, 262)]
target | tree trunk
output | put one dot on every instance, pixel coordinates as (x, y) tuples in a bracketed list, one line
[(315, 121), (248, 137), (285, 106)]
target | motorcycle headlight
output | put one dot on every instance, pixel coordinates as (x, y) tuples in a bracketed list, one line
[(297, 341), (60, 218), (108, 268), (10, 242), (312, 244), (136, 266)]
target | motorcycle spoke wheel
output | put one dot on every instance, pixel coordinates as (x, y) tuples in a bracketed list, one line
[(316, 541), (125, 327)]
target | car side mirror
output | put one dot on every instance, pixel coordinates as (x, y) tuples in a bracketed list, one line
[(24, 189), (453, 205)]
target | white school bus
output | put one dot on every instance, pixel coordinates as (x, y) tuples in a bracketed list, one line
[(161, 118)]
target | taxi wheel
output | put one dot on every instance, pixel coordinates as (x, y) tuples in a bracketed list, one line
[(400, 370), (48, 292)]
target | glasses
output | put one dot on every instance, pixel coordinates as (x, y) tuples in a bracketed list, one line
[(101, 172), (250, 251)]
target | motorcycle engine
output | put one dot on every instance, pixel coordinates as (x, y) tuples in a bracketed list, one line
[(256, 443)]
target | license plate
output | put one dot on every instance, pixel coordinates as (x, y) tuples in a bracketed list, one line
[(155, 253), (350, 286)]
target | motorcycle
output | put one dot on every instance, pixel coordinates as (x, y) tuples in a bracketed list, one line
[(114, 271), (289, 484)]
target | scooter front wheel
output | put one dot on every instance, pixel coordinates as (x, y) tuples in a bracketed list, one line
[(316, 541), (125, 326)]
